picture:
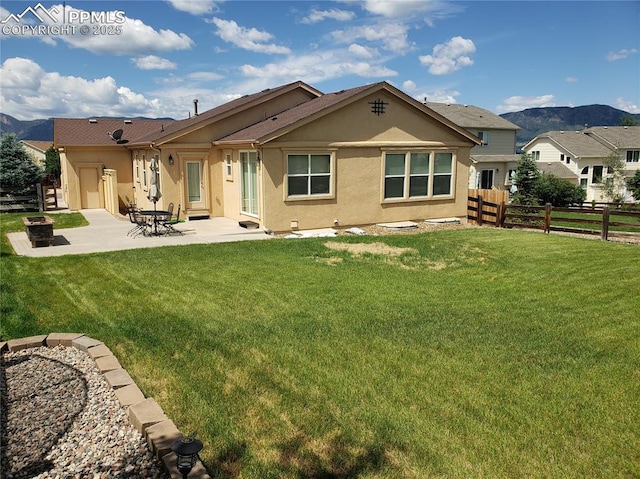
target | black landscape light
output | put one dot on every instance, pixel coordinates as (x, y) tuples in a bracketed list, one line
[(187, 449)]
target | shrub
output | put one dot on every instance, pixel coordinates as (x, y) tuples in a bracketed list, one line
[(557, 191), (633, 185)]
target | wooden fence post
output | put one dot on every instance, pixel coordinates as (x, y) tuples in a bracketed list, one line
[(503, 214), (605, 223), (479, 220), (547, 217)]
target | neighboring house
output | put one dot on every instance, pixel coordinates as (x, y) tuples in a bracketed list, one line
[(585, 153), (285, 158), (37, 150), (495, 158)]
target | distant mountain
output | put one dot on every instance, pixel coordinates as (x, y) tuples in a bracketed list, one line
[(27, 130), (532, 121), (535, 121), (37, 129)]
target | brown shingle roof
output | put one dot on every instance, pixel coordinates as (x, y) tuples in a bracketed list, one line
[(177, 127), (38, 144), (95, 132), (289, 117), (279, 124)]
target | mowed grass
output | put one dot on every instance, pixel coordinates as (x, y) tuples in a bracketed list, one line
[(472, 353)]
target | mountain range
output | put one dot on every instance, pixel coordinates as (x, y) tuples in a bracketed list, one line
[(532, 121)]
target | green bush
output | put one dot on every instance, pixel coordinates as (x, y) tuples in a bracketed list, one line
[(633, 184), (557, 191)]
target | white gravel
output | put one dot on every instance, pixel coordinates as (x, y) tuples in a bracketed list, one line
[(61, 419)]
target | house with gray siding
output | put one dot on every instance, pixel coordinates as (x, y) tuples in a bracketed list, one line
[(493, 161)]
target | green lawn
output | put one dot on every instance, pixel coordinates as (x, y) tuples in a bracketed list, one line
[(476, 353)]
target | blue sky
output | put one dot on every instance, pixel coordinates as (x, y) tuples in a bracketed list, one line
[(153, 58)]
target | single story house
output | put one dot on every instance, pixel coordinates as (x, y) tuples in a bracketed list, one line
[(285, 158), (585, 153)]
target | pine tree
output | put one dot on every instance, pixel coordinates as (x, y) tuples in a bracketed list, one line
[(526, 179), (17, 169)]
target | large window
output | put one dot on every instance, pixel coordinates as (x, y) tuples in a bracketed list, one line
[(596, 174), (309, 174), (417, 175), (633, 156)]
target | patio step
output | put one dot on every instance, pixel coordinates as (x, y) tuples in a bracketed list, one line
[(197, 215)]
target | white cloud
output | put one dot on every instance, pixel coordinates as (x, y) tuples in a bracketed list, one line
[(334, 14), (627, 106), (449, 57), (571, 80), (409, 86), (517, 103), (429, 9), (439, 96), (204, 76), (393, 36), (195, 7), (362, 52), (621, 54), (436, 96), (152, 62), (26, 93), (314, 67), (247, 38)]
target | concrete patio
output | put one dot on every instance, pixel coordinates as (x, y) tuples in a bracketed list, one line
[(109, 233)]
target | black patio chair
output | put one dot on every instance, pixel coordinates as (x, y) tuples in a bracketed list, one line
[(142, 224), (131, 210), (169, 224)]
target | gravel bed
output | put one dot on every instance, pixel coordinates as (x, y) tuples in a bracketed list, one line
[(61, 419)]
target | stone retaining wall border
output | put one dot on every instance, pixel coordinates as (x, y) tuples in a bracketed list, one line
[(144, 413)]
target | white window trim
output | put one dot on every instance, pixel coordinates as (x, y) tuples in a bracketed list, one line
[(332, 175), (430, 196), (145, 177), (227, 164)]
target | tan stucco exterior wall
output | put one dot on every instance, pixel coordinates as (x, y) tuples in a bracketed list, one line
[(358, 139), (72, 159)]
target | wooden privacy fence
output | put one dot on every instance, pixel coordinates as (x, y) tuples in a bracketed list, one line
[(584, 220), (43, 197)]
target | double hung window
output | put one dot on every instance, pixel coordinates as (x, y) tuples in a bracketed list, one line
[(309, 174), (417, 175)]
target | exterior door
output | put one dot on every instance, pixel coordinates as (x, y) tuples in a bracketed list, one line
[(195, 185), (249, 178), (89, 188), (486, 180)]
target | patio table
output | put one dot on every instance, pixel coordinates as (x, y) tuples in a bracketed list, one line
[(156, 216)]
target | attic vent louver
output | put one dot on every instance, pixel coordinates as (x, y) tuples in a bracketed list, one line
[(93, 120), (127, 122), (377, 107)]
